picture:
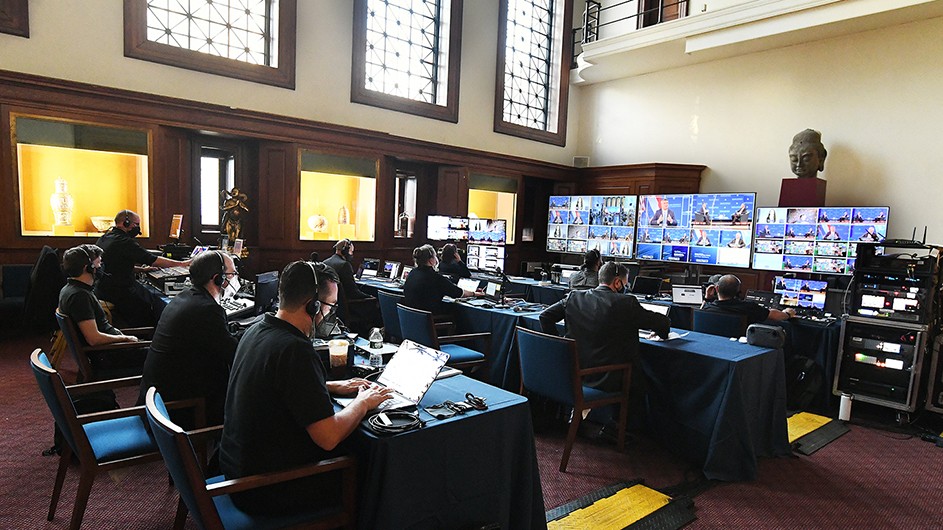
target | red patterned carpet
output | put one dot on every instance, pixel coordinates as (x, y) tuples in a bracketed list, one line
[(868, 478)]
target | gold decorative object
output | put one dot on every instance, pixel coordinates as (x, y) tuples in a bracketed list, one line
[(343, 216), (317, 223), (102, 222), (233, 209), (62, 203)]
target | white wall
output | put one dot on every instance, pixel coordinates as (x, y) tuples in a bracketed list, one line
[(875, 96), (83, 41)]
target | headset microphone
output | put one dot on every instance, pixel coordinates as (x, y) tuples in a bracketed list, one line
[(314, 306)]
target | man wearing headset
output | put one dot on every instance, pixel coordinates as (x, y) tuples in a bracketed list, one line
[(278, 407), (727, 289), (425, 287), (77, 301), (192, 348), (588, 275), (135, 304), (365, 315)]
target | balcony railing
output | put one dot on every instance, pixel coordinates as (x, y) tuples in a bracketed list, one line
[(617, 18)]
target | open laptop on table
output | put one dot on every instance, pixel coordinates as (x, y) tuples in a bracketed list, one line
[(493, 294), (469, 284), (687, 294), (410, 373)]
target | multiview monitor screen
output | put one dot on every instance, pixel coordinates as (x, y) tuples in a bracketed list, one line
[(795, 292), (487, 231), (579, 223), (446, 228), (703, 228), (823, 240), (489, 257)]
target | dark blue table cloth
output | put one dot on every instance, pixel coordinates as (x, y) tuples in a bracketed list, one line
[(467, 471), (713, 401), (537, 293)]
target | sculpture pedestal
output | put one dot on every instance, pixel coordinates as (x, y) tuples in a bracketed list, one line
[(63, 230), (802, 192)]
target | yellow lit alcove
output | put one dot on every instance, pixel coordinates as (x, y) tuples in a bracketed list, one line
[(485, 204), (336, 206), (101, 184)]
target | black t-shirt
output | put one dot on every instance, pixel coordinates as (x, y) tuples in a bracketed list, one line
[(276, 389), (456, 269), (78, 302), (424, 289), (755, 312), (121, 254), (345, 271), (191, 352)]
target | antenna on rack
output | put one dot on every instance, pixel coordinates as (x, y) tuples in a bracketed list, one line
[(924, 242)]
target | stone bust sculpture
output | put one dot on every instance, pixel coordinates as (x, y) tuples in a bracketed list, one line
[(807, 154)]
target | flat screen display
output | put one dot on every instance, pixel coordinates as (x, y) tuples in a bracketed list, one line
[(796, 292), (823, 240), (578, 223), (701, 228), (487, 231), (446, 228), (489, 257)]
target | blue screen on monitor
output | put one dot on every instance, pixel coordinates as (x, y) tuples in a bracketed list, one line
[(578, 223), (795, 292), (702, 228), (814, 239)]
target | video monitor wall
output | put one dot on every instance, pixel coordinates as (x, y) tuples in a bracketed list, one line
[(702, 228), (579, 223), (822, 240), (796, 292)]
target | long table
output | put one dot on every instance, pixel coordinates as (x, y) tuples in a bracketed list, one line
[(467, 471), (715, 402)]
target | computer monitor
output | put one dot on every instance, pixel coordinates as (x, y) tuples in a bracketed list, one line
[(813, 239), (485, 257), (487, 231), (197, 251), (494, 291), (796, 292), (405, 272), (699, 228), (370, 268), (646, 285), (390, 270), (266, 292), (176, 226), (578, 223), (446, 228)]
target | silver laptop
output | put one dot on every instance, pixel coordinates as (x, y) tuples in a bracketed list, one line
[(656, 308), (687, 294), (410, 373), (469, 284)]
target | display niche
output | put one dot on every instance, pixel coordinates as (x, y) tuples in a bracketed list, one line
[(338, 197)]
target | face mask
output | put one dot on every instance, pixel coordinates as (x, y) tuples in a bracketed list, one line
[(327, 327), (231, 288), (134, 232)]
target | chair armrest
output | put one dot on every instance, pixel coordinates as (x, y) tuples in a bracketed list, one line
[(606, 368), (107, 384), (197, 404), (128, 412), (141, 344), (256, 481), (464, 337), (199, 435), (147, 332)]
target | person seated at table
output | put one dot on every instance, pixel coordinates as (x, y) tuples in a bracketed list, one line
[(728, 301), (122, 256), (365, 315), (424, 287), (710, 290), (192, 348), (605, 323), (451, 263), (588, 275), (77, 300), (279, 413)]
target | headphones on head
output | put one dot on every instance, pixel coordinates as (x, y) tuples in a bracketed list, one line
[(88, 256), (127, 218), (313, 307), (344, 246), (219, 278)]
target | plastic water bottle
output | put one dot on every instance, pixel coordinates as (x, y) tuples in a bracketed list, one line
[(376, 339)]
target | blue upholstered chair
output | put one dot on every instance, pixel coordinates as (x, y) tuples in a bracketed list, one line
[(208, 499), (391, 326), (719, 323), (418, 326), (102, 441), (550, 367)]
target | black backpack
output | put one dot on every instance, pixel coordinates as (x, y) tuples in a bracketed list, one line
[(804, 380)]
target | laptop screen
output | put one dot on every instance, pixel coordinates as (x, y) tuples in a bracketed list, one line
[(406, 270), (646, 285), (391, 269), (412, 370), (656, 308), (493, 290), (468, 284), (370, 268), (687, 294)]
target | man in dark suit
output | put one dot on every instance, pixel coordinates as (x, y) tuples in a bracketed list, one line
[(364, 315), (605, 323), (728, 301), (664, 216)]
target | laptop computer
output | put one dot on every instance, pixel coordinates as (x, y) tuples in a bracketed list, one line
[(656, 308), (410, 373), (646, 285), (391, 270), (369, 268), (687, 294), (404, 274), (469, 284)]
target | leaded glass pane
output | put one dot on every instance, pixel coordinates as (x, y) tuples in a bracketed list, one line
[(404, 51), (242, 30), (528, 62)]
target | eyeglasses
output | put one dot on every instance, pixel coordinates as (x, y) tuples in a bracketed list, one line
[(333, 310)]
